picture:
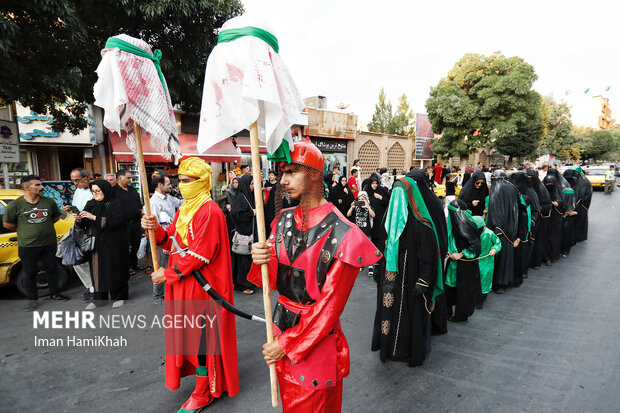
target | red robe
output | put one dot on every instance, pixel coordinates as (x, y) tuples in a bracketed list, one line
[(209, 252), (320, 318)]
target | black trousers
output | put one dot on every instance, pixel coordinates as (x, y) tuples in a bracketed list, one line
[(135, 235), (30, 257)]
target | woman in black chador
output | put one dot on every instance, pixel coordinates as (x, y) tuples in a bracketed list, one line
[(408, 289), (379, 200), (541, 229), (341, 196), (474, 193), (527, 229), (104, 218), (463, 275), (503, 220), (583, 196), (243, 215), (563, 205)]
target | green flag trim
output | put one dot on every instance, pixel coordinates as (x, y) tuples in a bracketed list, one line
[(282, 154), (130, 48), (234, 34)]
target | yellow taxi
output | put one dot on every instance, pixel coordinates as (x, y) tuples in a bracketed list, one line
[(596, 176), (10, 264)]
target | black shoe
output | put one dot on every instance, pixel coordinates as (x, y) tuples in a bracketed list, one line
[(58, 297), (564, 256), (524, 276), (479, 306), (536, 267), (31, 306), (456, 319), (500, 290), (88, 296)]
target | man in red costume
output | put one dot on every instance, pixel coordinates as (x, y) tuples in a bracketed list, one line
[(200, 243), (314, 255)]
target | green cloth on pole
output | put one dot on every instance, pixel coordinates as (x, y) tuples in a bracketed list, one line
[(282, 154), (587, 90), (607, 88), (233, 34), (138, 51)]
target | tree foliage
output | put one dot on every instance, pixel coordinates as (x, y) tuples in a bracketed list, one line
[(381, 121), (402, 122), (50, 49), (557, 135), (384, 120), (486, 101), (599, 144)]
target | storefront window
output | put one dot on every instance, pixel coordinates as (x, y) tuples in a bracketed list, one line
[(17, 170)]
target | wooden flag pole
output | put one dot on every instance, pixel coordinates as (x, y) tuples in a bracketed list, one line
[(145, 192), (262, 237)]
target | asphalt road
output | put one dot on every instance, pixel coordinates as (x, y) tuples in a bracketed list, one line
[(550, 345)]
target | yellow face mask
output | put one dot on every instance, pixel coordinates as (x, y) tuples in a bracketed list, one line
[(190, 190)]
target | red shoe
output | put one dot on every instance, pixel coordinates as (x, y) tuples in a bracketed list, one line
[(200, 398)]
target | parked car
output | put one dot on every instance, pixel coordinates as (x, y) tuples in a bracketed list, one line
[(596, 176), (11, 271)]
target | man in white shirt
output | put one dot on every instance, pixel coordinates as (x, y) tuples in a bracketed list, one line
[(164, 207), (81, 179)]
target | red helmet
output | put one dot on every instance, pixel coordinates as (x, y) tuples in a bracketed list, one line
[(305, 153)]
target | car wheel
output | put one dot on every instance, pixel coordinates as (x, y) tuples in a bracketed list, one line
[(42, 286)]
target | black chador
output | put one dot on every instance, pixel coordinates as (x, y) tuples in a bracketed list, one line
[(583, 196), (541, 227), (413, 277), (563, 201), (503, 220), (475, 191), (527, 226)]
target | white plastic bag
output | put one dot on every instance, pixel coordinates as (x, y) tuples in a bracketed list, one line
[(142, 250)]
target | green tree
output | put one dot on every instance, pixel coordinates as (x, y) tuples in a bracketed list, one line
[(601, 143), (402, 122), (50, 49), (557, 131), (382, 119), (486, 101)]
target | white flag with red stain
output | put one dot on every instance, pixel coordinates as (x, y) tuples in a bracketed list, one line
[(246, 80)]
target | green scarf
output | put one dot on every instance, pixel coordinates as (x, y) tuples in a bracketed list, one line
[(138, 51), (234, 34)]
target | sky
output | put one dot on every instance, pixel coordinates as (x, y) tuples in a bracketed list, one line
[(348, 50)]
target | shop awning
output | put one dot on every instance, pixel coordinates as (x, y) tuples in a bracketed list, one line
[(243, 143), (224, 151)]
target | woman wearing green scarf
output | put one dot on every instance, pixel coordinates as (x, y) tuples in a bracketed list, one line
[(490, 245), (463, 274)]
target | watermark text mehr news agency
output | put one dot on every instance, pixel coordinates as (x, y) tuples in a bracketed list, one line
[(88, 320)]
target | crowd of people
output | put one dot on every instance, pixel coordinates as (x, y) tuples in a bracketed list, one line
[(442, 261), (433, 260)]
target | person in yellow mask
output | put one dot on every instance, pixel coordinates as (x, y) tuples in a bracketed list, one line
[(198, 241)]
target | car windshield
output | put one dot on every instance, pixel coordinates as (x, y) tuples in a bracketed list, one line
[(596, 172)]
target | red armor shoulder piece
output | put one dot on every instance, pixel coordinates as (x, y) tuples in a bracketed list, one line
[(355, 248)]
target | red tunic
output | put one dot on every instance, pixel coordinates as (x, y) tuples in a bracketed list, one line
[(208, 252), (321, 318)]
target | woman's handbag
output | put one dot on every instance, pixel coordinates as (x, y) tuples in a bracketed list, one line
[(85, 241), (242, 244)]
